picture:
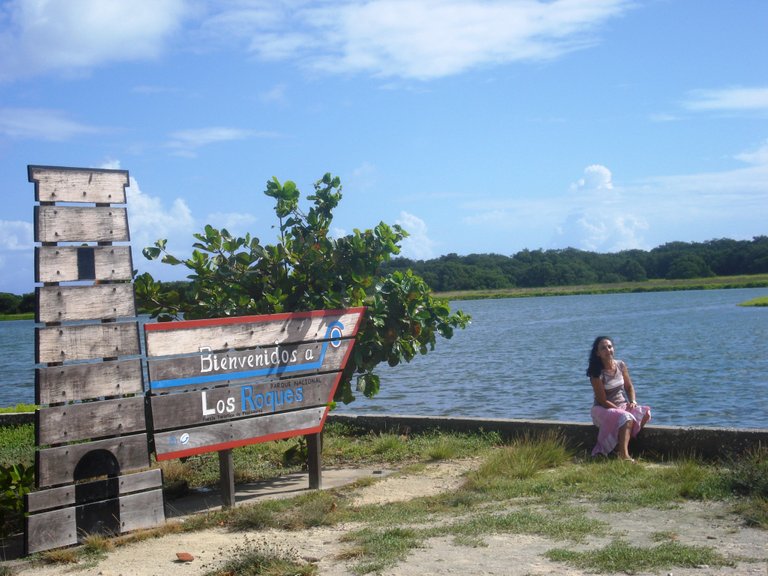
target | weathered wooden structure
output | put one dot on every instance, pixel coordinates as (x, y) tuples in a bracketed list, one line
[(92, 462), (215, 384), (218, 384)]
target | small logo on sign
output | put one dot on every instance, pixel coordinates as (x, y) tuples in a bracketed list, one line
[(336, 334), (184, 438)]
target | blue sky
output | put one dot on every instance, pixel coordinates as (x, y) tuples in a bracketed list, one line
[(479, 126)]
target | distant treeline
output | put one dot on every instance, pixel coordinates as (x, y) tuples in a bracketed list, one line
[(569, 266), (565, 267), (14, 304)]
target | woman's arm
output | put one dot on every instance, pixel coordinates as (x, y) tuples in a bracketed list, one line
[(599, 388), (628, 387)]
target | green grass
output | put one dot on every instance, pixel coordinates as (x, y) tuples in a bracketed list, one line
[(264, 559), (549, 489), (656, 285), (18, 408), (17, 445), (533, 485), (756, 302), (343, 445), (378, 549), (619, 557), (22, 316)]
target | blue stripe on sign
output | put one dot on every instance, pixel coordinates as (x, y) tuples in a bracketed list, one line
[(269, 371)]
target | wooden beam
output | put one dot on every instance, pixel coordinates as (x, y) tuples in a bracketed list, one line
[(58, 184), (233, 434), (42, 500), (226, 403), (207, 368), (82, 421), (55, 466), (99, 302), (61, 264), (61, 384), (168, 338), (87, 342), (227, 478), (314, 460), (80, 224)]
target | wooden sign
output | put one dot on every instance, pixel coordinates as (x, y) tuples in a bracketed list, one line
[(91, 434), (214, 384), (217, 384)]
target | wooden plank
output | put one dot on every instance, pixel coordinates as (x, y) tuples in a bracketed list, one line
[(232, 402), (140, 511), (58, 528), (51, 530), (97, 419), (141, 481), (167, 338), (211, 368), (79, 224), (99, 302), (65, 495), (226, 435), (51, 498), (86, 342), (227, 478), (57, 465), (314, 460), (59, 384), (58, 184), (60, 263)]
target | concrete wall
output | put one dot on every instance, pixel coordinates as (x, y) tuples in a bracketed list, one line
[(16, 418), (654, 442)]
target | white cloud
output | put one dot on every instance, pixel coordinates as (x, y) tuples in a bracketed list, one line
[(483, 217), (418, 245), (600, 221), (598, 230), (391, 38), (73, 36), (364, 177), (110, 164), (186, 142), (236, 223), (729, 99), (758, 156), (41, 124), (16, 259), (596, 177), (421, 40), (275, 95), (151, 220), (15, 235)]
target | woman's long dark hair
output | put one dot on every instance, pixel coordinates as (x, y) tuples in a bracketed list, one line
[(595, 367)]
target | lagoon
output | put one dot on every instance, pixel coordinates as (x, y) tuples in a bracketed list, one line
[(696, 357)]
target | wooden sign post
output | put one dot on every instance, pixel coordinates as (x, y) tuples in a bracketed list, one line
[(218, 384), (92, 459), (215, 384)]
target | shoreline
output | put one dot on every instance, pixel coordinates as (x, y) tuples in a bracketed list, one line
[(658, 441)]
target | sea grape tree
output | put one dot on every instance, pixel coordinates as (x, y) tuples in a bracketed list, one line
[(308, 269)]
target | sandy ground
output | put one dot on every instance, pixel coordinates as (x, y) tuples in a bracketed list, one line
[(705, 524)]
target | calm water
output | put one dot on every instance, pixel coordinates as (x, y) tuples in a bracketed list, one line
[(696, 357)]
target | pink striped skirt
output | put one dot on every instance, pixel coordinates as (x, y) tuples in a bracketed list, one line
[(610, 420)]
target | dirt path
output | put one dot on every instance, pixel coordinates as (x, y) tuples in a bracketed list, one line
[(705, 524)]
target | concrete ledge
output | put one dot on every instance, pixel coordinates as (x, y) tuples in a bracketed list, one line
[(16, 418), (656, 442)]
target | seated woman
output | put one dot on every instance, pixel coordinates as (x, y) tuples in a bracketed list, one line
[(616, 411)]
